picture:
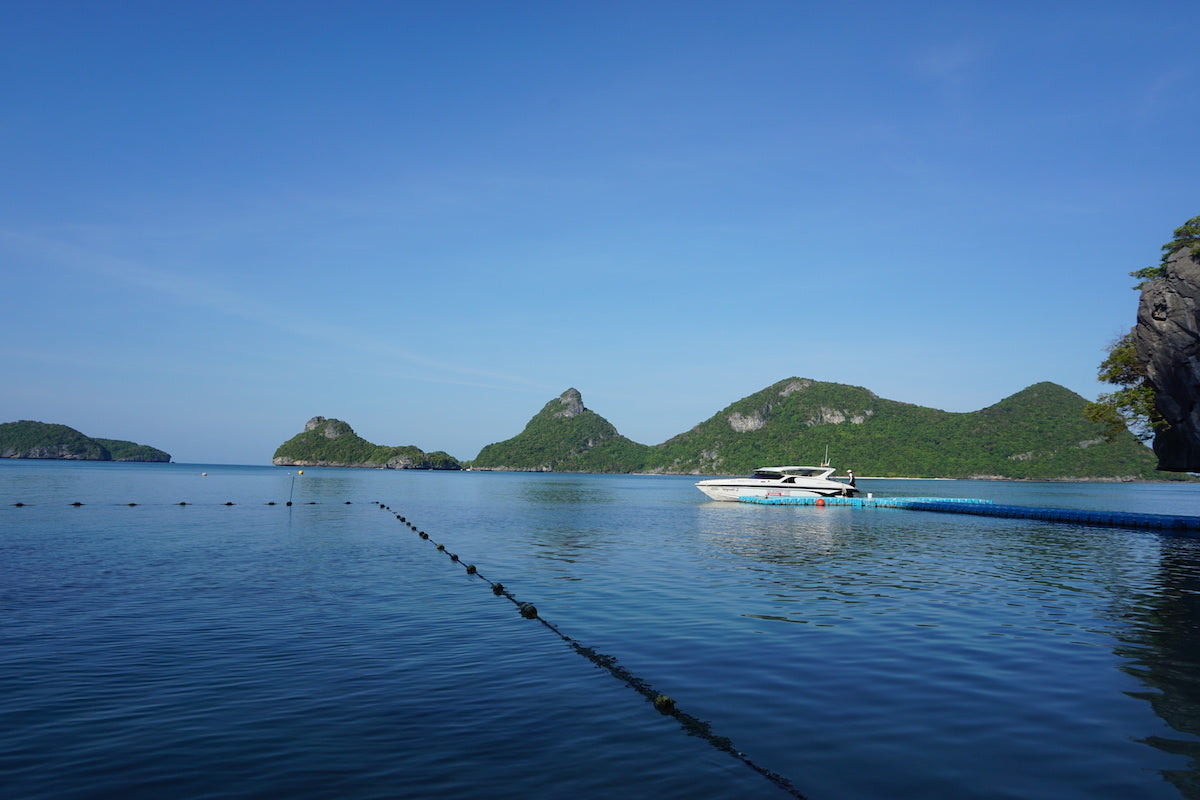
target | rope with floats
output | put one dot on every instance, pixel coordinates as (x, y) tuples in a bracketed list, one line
[(661, 702)]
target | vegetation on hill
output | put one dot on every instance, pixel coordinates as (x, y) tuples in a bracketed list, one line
[(565, 437), (333, 443), (1038, 433), (30, 439), (122, 450)]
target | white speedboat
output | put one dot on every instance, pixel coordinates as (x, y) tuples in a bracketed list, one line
[(780, 482)]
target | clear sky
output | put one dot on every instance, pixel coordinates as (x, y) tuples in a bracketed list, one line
[(219, 219)]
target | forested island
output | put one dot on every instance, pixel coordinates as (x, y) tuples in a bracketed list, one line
[(29, 439), (1039, 433), (333, 443)]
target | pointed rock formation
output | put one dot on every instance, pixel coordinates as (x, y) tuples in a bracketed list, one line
[(564, 437), (1167, 338)]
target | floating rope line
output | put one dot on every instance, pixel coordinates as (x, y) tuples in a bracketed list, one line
[(661, 702), (78, 504)]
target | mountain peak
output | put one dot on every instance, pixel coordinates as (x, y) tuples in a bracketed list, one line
[(564, 436), (333, 428), (572, 402)]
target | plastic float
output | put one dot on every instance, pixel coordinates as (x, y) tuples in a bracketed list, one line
[(987, 508)]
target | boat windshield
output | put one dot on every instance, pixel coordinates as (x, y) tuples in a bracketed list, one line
[(801, 472)]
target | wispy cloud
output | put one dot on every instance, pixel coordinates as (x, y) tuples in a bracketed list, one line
[(1167, 91), (196, 291), (951, 64)]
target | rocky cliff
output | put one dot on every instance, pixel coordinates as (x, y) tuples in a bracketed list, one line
[(1167, 338)]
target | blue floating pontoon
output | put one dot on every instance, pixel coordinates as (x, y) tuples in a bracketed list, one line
[(986, 508)]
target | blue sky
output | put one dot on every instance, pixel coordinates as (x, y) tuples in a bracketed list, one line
[(218, 220)]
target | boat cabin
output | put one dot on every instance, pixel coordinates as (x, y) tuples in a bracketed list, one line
[(789, 474)]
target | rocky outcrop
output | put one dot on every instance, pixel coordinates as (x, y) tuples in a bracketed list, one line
[(1167, 338), (65, 452), (330, 428), (572, 402), (758, 418)]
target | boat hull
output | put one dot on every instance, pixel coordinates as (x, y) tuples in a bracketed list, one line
[(729, 491)]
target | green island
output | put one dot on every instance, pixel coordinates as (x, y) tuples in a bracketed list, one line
[(29, 439), (333, 443), (1039, 433)]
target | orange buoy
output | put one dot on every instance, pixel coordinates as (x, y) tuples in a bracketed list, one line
[(820, 501)]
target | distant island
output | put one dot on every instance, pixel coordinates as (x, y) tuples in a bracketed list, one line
[(29, 439), (1039, 433), (333, 443)]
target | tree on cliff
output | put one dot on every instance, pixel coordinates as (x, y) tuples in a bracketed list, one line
[(1132, 406), (1186, 235)]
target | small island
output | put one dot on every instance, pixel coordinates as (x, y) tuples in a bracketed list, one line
[(333, 443), (30, 439)]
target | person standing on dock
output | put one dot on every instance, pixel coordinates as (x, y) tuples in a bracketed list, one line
[(850, 472)]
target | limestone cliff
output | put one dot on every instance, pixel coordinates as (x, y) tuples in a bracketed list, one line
[(1167, 338)]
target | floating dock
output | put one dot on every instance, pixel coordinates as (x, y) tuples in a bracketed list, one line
[(986, 508)]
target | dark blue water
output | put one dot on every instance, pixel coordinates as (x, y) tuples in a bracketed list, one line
[(326, 650)]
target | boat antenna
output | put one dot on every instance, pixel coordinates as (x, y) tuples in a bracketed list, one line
[(825, 463)]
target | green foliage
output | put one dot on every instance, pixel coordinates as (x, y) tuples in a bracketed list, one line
[(1039, 433), (131, 451), (29, 439), (1186, 235), (1132, 406), (334, 443), (28, 436), (1147, 274), (557, 442), (441, 460)]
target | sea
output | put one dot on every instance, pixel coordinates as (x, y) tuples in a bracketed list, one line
[(211, 631)]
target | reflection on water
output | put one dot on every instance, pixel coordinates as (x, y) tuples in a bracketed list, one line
[(579, 491), (561, 517), (1162, 645), (737, 528), (328, 486)]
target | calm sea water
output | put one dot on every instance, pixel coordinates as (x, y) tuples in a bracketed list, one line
[(325, 650)]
